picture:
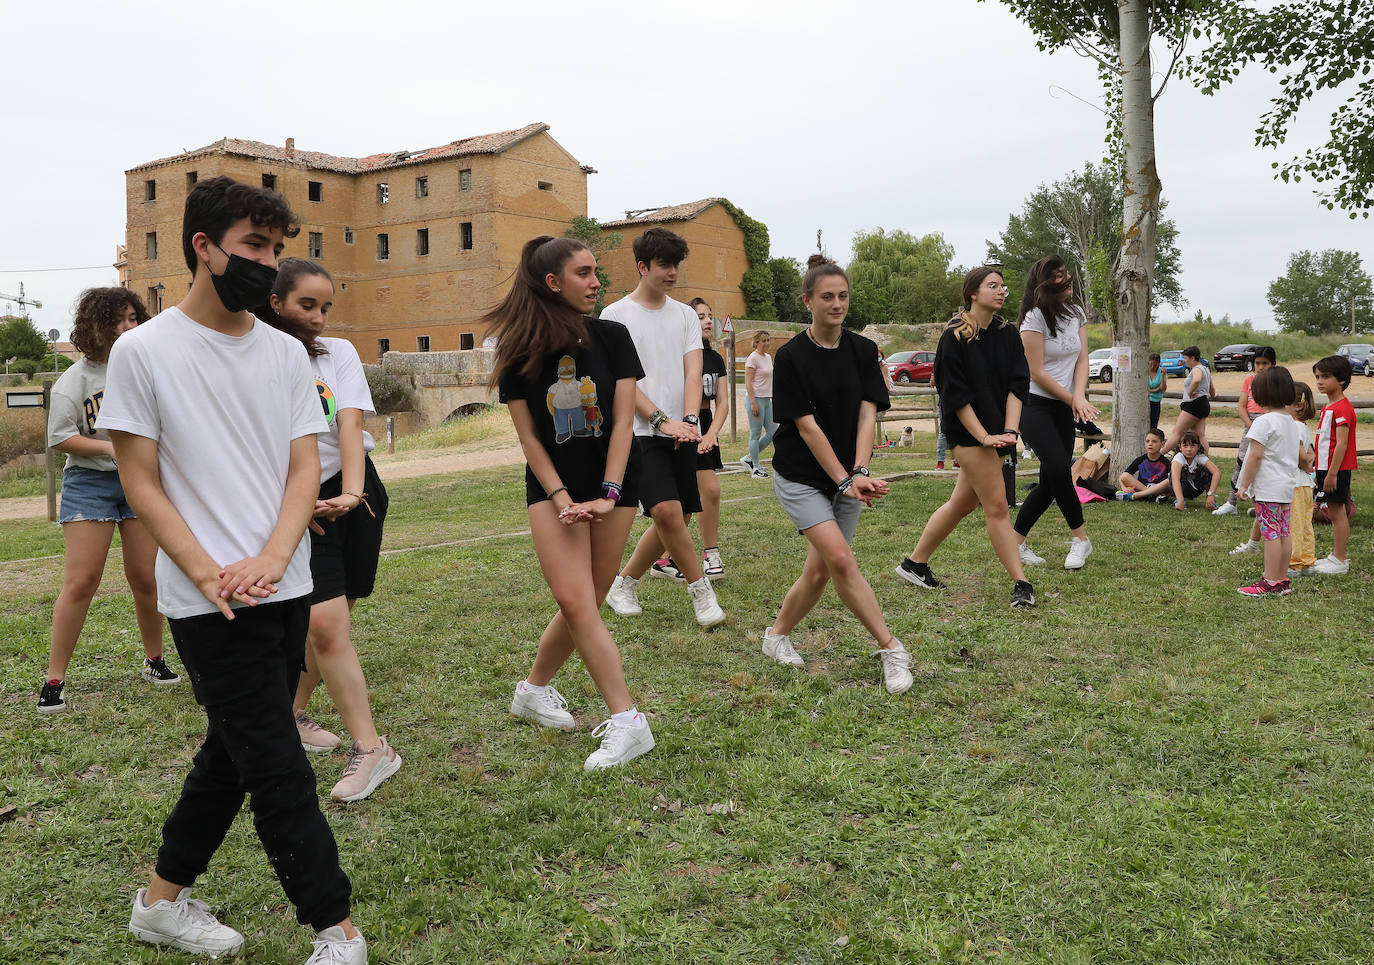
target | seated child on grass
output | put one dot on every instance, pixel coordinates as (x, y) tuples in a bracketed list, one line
[(1148, 475), (1193, 474)]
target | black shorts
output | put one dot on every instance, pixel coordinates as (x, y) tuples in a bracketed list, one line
[(343, 562), (707, 461), (1338, 494), (1197, 408), (667, 473), (1191, 489)]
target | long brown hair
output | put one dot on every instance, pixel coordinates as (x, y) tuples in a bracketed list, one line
[(1044, 293), (97, 314), (964, 324), (289, 273), (533, 321)]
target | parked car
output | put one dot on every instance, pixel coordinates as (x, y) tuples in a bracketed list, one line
[(1099, 365), (1361, 355), (1240, 357), (1172, 363), (908, 367)]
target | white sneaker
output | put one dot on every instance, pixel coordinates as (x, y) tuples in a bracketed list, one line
[(332, 948), (1028, 557), (778, 646), (1079, 551), (1333, 567), (712, 564), (1225, 509), (620, 743), (1249, 546), (185, 923), (896, 668), (704, 603), (623, 598), (548, 709), (744, 461)]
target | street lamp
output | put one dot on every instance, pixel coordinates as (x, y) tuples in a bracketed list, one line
[(159, 288)]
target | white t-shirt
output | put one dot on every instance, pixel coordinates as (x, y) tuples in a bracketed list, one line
[(342, 384), (76, 400), (1278, 433), (1061, 349), (1304, 443), (223, 410), (662, 337)]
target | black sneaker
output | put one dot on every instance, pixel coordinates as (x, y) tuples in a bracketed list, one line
[(1022, 595), (919, 574), (156, 671), (50, 699)]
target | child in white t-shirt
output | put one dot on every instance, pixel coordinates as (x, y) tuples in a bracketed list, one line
[(1192, 473), (1303, 562), (1270, 475)]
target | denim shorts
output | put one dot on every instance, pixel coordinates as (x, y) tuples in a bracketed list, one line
[(807, 506), (92, 496)]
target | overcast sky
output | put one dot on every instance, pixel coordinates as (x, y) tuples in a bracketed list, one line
[(923, 115)]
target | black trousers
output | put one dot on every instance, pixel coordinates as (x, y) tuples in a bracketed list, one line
[(1047, 428), (244, 672)]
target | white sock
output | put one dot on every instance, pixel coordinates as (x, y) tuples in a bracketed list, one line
[(530, 688), (701, 582), (629, 717), (629, 580)]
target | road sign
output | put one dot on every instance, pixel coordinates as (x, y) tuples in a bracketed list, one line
[(726, 326), (52, 334)]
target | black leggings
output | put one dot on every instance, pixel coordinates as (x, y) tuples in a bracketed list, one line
[(1047, 427)]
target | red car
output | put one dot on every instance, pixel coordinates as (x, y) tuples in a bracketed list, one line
[(908, 367)]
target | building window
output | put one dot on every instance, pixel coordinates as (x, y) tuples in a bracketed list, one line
[(383, 247), (467, 340), (422, 241), (466, 232), (383, 193), (422, 187), (545, 185), (150, 190), (190, 180), (422, 343), (151, 239), (315, 190), (316, 244), (348, 236), (269, 181), (383, 346), (153, 300), (465, 179)]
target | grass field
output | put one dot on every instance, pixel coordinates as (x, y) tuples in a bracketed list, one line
[(1145, 768)]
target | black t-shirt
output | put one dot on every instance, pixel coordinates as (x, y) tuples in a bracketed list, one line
[(980, 372), (712, 375), (829, 384), (572, 403)]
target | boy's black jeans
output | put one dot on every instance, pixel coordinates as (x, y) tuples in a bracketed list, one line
[(244, 672)]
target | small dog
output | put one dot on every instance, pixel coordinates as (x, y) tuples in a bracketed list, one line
[(907, 437)]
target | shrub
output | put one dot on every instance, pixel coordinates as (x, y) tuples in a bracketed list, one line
[(389, 394), (21, 431)]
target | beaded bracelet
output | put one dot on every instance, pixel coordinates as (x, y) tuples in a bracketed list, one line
[(611, 491), (845, 483), (560, 489)]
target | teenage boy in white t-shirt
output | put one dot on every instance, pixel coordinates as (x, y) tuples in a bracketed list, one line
[(667, 336), (213, 416)]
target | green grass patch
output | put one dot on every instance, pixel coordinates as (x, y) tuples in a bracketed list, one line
[(1145, 768)]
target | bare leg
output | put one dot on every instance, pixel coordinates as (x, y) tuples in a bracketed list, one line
[(337, 662), (579, 563), (670, 526), (88, 544), (140, 558), (1340, 529), (1184, 423), (985, 475), (649, 548), (708, 520), (961, 502), (831, 558)]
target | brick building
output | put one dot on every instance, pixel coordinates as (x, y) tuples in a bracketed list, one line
[(420, 244), (715, 263)]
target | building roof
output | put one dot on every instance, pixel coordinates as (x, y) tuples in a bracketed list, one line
[(673, 212), (318, 161)]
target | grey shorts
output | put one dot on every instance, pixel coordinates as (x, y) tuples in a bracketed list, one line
[(807, 506)]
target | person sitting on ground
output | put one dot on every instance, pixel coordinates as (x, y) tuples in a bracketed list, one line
[(1148, 475), (1190, 471)]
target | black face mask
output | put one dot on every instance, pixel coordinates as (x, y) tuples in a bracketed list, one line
[(244, 284)]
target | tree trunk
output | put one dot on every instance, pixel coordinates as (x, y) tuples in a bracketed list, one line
[(1136, 268)]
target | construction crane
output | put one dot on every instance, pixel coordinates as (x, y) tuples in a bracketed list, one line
[(21, 299)]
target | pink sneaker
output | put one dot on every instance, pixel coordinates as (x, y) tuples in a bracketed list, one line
[(1263, 587), (365, 770), (315, 738)]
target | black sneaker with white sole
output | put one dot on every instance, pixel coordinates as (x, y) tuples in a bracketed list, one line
[(919, 574), (1022, 595), (50, 698), (157, 672)]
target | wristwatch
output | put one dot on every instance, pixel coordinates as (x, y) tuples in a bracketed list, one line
[(692, 420), (861, 471)]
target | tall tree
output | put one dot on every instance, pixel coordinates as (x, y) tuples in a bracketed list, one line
[(1117, 34), (787, 290), (898, 277), (589, 232), (1316, 46), (1079, 218), (1320, 291), (19, 339)]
